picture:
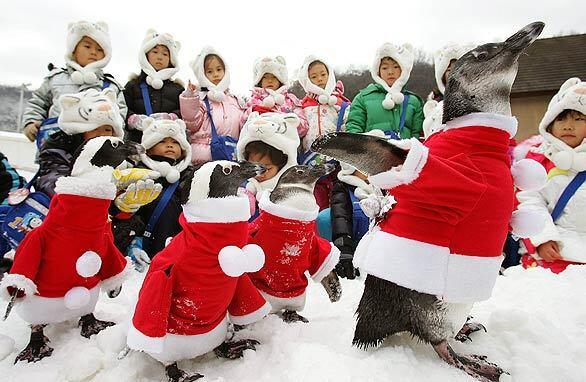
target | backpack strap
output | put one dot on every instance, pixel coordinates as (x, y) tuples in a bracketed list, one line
[(146, 99), (341, 115), (403, 112), (569, 191), (148, 231), (105, 84), (212, 124)]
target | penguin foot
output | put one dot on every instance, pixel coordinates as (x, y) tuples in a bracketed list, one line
[(235, 349), (469, 328), (175, 374), (90, 325), (290, 316), (474, 365), (36, 349), (331, 284)]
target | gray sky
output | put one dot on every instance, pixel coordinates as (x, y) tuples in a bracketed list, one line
[(343, 32)]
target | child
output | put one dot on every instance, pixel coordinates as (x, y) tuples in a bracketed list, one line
[(382, 105), (563, 127), (433, 108), (271, 91), (168, 153), (272, 140), (158, 59), (213, 107), (88, 52)]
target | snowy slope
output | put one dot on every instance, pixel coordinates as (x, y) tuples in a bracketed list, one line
[(536, 325)]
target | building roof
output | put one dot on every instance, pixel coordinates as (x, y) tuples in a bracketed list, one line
[(549, 62)]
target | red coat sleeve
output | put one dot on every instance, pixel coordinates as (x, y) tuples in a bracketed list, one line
[(323, 257), (247, 305), (27, 260)]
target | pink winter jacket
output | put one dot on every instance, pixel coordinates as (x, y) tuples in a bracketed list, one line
[(227, 115), (291, 105)]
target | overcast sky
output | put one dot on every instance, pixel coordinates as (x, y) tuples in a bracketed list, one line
[(344, 33)]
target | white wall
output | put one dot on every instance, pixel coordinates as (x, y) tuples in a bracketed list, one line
[(19, 151)]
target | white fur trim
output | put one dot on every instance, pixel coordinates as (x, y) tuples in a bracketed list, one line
[(406, 173), (85, 187), (278, 304), (96, 31), (495, 121), (76, 298), (19, 281), (115, 281), (252, 317), (234, 261), (427, 268), (276, 66), (403, 55), (215, 92), (285, 212), (48, 310), (178, 347), (442, 60), (88, 264), (230, 209), (529, 175), (328, 265), (152, 38), (311, 88)]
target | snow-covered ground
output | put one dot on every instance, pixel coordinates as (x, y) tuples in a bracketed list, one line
[(536, 325)]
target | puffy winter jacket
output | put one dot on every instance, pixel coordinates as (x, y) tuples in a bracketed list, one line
[(367, 113), (43, 102), (341, 215), (164, 100), (9, 179)]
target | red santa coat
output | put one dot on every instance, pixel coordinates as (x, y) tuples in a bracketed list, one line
[(62, 264), (186, 295), (291, 245), (454, 199)]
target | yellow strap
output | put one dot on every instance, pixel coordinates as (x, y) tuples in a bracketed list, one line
[(555, 172)]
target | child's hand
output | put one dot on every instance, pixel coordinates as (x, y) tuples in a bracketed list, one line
[(191, 87), (31, 130), (549, 251)]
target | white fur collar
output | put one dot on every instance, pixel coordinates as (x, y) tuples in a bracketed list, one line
[(496, 121), (286, 212), (230, 209), (86, 186)]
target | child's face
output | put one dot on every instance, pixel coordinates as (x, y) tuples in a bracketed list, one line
[(448, 71), (571, 128), (102, 131), (318, 75), (272, 169), (269, 81), (389, 70), (87, 51), (159, 57), (168, 148), (214, 70)]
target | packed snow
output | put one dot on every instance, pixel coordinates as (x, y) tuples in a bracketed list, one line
[(536, 324)]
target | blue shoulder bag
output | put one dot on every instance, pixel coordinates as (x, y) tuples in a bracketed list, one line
[(223, 147)]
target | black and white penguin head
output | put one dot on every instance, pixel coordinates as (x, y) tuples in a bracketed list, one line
[(296, 184), (221, 179), (481, 80), (101, 155)]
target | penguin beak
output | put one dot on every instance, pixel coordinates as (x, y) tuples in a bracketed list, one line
[(250, 169), (523, 38), (321, 170)]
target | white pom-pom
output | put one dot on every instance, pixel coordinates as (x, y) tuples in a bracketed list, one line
[(88, 264), (149, 80), (216, 95), (268, 102), (529, 175), (77, 78), (388, 103), (562, 160), (323, 99), (333, 100), (163, 168), (526, 223), (90, 78), (232, 261), (157, 83), (172, 176), (397, 97), (76, 298), (255, 257), (279, 99)]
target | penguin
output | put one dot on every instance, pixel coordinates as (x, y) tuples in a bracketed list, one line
[(62, 264), (286, 231), (198, 284), (438, 249)]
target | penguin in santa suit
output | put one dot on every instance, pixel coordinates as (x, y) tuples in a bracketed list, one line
[(61, 266), (198, 284)]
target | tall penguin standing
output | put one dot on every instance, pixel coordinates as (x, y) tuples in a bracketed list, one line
[(439, 249)]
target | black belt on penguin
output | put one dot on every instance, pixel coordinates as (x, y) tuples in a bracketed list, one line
[(479, 85)]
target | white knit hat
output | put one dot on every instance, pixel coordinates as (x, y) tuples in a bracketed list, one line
[(155, 78), (275, 129), (442, 60), (278, 68), (90, 109), (325, 96), (215, 92), (403, 55), (99, 33), (571, 96), (156, 130)]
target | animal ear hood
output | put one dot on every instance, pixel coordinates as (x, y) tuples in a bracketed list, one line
[(155, 78), (325, 95), (442, 58), (403, 55), (99, 33), (215, 92), (276, 66), (571, 96)]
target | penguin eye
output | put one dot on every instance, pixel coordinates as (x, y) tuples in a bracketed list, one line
[(227, 170), (299, 171), (114, 144), (482, 56)]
